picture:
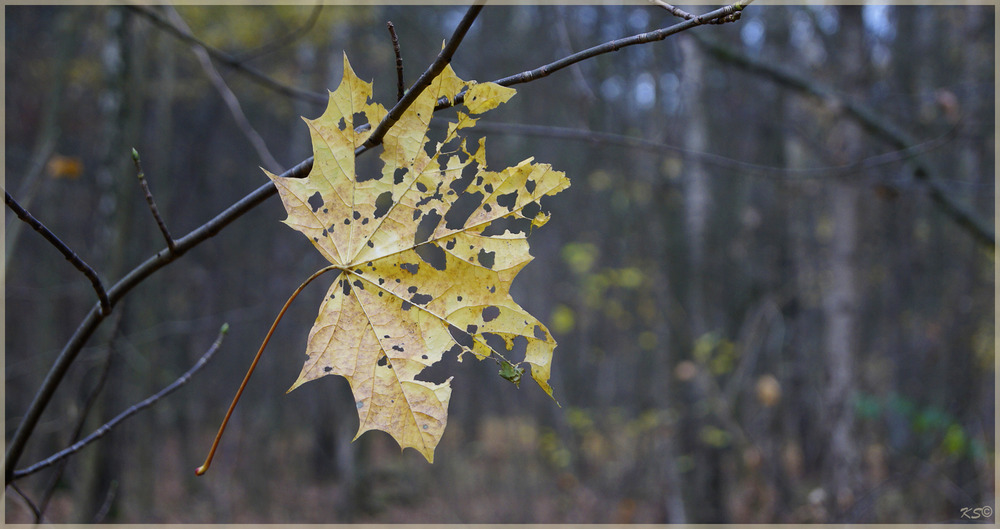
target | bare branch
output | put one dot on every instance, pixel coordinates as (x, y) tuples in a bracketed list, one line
[(229, 60), (152, 204), (31, 505), (228, 96), (69, 254), (424, 80), (138, 274), (400, 87), (677, 12), (88, 404), (132, 410), (723, 162), (281, 42), (962, 214), (607, 47)]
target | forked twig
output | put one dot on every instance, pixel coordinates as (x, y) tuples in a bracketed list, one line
[(678, 12), (228, 97), (132, 410), (608, 47), (152, 204), (424, 80), (400, 88), (229, 60), (69, 254)]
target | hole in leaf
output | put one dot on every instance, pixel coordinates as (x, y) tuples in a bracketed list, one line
[(531, 210), (461, 337), (507, 201), (433, 255), (412, 268), (530, 186), (439, 371), (460, 184), (421, 299), (426, 227), (487, 258), (316, 201), (511, 224), (491, 313), (382, 204), (462, 209)]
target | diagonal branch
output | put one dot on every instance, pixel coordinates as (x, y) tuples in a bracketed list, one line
[(608, 47), (424, 80), (232, 103), (88, 405), (229, 60), (717, 160), (281, 42), (70, 255), (132, 410), (961, 213)]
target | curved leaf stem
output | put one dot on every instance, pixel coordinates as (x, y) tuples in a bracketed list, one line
[(253, 365)]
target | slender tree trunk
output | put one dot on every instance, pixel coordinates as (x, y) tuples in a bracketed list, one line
[(840, 297), (707, 498)]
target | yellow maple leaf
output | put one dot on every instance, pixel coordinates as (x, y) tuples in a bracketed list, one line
[(426, 250)]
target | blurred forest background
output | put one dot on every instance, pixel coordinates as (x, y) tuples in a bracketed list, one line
[(767, 307)]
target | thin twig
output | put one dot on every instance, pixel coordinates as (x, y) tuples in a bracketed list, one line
[(724, 162), (152, 204), (229, 60), (132, 410), (232, 103), (677, 12), (962, 214), (424, 80), (69, 254), (31, 504), (102, 379), (607, 47), (109, 498), (281, 42), (400, 88)]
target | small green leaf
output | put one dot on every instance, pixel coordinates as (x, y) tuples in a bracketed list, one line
[(511, 372)]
